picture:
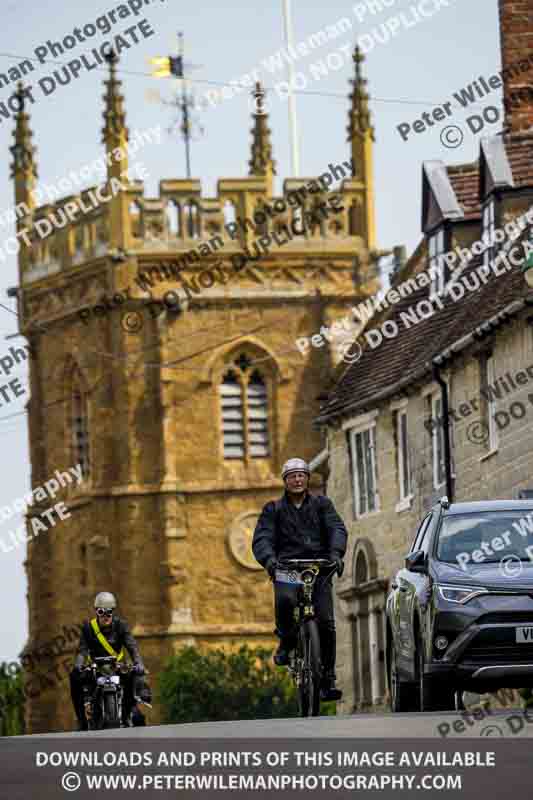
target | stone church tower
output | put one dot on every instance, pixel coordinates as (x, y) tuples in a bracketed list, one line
[(182, 420)]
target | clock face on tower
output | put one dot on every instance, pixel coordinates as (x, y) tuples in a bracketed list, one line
[(240, 539)]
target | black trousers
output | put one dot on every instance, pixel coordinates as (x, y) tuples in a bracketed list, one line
[(286, 599), (81, 680)]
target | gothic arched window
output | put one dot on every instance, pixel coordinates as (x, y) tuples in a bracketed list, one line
[(244, 411), (257, 407), (80, 427), (232, 416)]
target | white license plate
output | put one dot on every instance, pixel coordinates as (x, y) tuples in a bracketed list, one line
[(285, 576), (524, 635)]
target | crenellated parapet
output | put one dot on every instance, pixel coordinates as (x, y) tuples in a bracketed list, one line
[(71, 232), (180, 218)]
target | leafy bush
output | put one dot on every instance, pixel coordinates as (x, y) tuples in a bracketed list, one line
[(213, 685), (11, 704)]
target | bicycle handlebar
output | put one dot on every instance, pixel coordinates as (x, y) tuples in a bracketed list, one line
[(306, 561), (302, 563)]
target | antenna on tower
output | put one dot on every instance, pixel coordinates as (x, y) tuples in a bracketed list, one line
[(183, 102)]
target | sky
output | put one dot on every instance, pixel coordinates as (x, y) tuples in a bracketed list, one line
[(415, 71)]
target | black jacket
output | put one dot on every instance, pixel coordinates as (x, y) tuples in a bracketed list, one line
[(117, 634), (315, 530)]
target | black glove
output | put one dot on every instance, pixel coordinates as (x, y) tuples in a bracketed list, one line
[(271, 566), (138, 669), (339, 563)]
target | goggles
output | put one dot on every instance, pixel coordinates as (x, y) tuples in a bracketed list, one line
[(104, 612)]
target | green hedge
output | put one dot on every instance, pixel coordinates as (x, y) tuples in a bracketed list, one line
[(11, 704), (202, 686)]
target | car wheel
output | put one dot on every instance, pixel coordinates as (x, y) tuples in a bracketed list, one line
[(433, 696), (402, 695)]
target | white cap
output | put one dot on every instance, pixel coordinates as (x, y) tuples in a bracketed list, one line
[(295, 465), (105, 600)]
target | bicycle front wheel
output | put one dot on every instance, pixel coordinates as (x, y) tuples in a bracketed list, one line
[(309, 689)]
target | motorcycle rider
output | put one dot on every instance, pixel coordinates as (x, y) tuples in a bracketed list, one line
[(301, 525), (107, 635)]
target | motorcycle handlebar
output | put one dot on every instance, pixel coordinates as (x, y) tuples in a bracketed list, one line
[(122, 667)]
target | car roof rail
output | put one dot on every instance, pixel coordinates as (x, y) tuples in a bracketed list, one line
[(444, 502)]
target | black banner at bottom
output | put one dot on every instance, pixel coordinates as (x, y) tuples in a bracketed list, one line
[(59, 767)]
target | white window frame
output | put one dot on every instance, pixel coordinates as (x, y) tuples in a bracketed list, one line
[(489, 226), (491, 405), (366, 424), (404, 461), (432, 392), (437, 437), (436, 250)]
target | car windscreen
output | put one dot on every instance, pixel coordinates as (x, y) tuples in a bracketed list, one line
[(486, 538)]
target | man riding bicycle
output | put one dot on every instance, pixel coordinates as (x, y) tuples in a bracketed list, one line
[(300, 525), (107, 635)]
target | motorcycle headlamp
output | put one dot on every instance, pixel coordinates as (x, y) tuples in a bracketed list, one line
[(459, 594)]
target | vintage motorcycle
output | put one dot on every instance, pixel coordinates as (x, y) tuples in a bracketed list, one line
[(104, 702)]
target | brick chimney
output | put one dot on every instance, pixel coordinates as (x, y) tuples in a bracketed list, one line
[(516, 37)]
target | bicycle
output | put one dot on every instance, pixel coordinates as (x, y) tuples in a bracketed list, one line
[(305, 665)]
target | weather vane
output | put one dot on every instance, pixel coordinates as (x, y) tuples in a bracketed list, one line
[(183, 102)]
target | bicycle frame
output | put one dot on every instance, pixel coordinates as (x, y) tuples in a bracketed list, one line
[(304, 663)]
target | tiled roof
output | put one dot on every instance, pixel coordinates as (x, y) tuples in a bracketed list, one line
[(519, 151), (408, 356), (465, 183)]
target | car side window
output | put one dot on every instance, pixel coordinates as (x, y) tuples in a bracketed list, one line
[(420, 533)]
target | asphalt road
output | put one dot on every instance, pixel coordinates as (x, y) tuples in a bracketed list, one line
[(507, 723)]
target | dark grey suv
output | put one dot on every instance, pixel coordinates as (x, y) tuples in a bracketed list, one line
[(460, 613)]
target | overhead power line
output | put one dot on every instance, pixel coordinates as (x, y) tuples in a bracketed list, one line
[(137, 73)]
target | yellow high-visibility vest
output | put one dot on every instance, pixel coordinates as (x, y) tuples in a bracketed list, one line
[(103, 641)]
